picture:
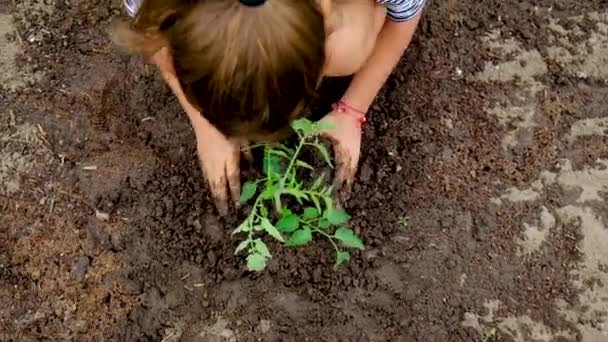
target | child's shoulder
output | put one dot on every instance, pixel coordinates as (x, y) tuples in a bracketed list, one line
[(402, 10)]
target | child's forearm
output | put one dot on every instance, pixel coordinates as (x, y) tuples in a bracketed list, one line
[(162, 59), (198, 121), (392, 41)]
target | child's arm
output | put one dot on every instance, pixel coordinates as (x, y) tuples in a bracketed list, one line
[(219, 156), (392, 41)]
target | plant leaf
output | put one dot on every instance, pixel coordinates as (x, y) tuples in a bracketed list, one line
[(298, 194), (256, 262), (269, 192), (342, 258), (277, 201), (300, 237), (260, 247), (349, 238), (272, 165), (292, 179), (315, 200), (272, 230), (288, 223), (304, 165), (248, 192), (288, 150), (324, 223), (325, 153), (317, 183), (337, 216), (280, 153), (310, 213), (304, 126), (263, 211), (329, 205), (244, 227), (324, 126), (241, 246)]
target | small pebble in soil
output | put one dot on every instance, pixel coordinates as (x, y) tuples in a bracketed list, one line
[(264, 326), (101, 216), (213, 229), (117, 242), (450, 264), (211, 259), (130, 287), (316, 275), (151, 298), (480, 232), (304, 275), (81, 267), (197, 225), (370, 254), (199, 256), (366, 172), (230, 273), (78, 326), (174, 298)]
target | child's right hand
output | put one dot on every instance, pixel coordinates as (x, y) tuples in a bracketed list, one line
[(220, 161), (219, 156)]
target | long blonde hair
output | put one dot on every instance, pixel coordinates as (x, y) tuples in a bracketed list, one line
[(249, 69)]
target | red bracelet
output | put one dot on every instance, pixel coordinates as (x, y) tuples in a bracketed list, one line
[(342, 107)]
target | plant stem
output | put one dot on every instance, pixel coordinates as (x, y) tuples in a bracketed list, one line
[(292, 161), (316, 229), (249, 148), (250, 218), (320, 231), (313, 193)]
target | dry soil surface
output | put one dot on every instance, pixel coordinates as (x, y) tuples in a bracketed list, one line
[(482, 194)]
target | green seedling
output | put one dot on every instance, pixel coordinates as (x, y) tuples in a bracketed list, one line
[(318, 214)]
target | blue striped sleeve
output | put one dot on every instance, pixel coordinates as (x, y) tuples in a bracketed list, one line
[(402, 10), (132, 7)]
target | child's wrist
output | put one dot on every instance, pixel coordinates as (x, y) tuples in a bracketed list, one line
[(344, 108)]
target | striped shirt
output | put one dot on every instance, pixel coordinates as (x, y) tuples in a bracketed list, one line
[(132, 7), (398, 10), (402, 10)]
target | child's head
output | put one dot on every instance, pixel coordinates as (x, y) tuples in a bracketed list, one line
[(250, 70)]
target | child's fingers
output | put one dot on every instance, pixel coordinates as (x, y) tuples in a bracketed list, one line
[(345, 174), (343, 166), (345, 182), (347, 185), (233, 171), (220, 195), (247, 153), (248, 156)]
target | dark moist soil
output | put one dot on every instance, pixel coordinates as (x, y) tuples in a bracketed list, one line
[(164, 261)]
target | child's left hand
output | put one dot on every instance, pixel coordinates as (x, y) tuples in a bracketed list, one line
[(346, 141)]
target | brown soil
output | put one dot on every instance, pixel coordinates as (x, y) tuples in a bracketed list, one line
[(163, 263)]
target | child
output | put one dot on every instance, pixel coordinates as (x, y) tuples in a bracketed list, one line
[(243, 69)]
